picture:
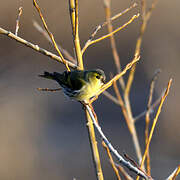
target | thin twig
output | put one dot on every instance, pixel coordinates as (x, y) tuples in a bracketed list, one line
[(111, 19), (138, 117), (136, 165), (113, 42), (115, 78), (73, 10), (111, 160), (18, 20), (154, 123), (111, 97), (124, 173), (50, 34), (110, 34), (45, 34), (94, 147), (49, 90), (145, 19), (35, 47), (152, 84), (123, 108), (174, 174), (113, 150)]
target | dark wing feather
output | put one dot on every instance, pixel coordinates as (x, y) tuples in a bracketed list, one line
[(69, 80)]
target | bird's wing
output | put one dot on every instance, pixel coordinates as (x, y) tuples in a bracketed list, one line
[(77, 80)]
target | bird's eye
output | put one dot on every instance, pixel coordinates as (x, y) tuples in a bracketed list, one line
[(98, 77)]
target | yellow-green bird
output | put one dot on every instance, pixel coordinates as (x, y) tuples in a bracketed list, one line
[(79, 85)]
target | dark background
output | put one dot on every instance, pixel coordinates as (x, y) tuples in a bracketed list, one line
[(43, 135)]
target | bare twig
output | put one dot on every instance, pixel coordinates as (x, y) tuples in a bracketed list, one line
[(148, 118), (174, 174), (138, 117), (154, 123), (145, 19), (50, 34), (121, 102), (45, 34), (115, 78), (111, 160), (94, 148), (111, 97), (124, 173), (111, 19), (35, 47), (73, 10), (18, 20), (49, 90), (88, 43), (114, 151), (112, 41)]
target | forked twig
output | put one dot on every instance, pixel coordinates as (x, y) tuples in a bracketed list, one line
[(50, 34), (114, 151), (174, 174), (152, 84), (45, 34), (35, 47), (138, 117), (88, 43), (111, 19), (111, 97), (154, 123), (145, 19)]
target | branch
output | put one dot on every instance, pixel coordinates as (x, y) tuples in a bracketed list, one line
[(50, 34), (94, 147), (111, 160), (45, 34), (154, 123), (112, 40), (111, 19), (145, 19), (152, 84), (35, 47), (110, 34), (18, 20), (113, 150), (174, 174), (107, 85), (73, 10)]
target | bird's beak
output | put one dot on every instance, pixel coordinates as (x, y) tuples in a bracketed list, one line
[(103, 80)]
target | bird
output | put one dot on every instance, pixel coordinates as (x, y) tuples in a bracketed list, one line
[(80, 85)]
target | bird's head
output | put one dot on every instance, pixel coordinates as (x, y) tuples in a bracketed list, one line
[(96, 76)]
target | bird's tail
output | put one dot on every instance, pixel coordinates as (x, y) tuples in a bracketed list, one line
[(54, 76)]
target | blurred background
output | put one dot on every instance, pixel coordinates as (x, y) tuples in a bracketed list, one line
[(43, 135)]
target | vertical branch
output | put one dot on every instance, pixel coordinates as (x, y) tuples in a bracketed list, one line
[(154, 123), (107, 4), (73, 8), (125, 105), (145, 19), (148, 118), (94, 148)]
